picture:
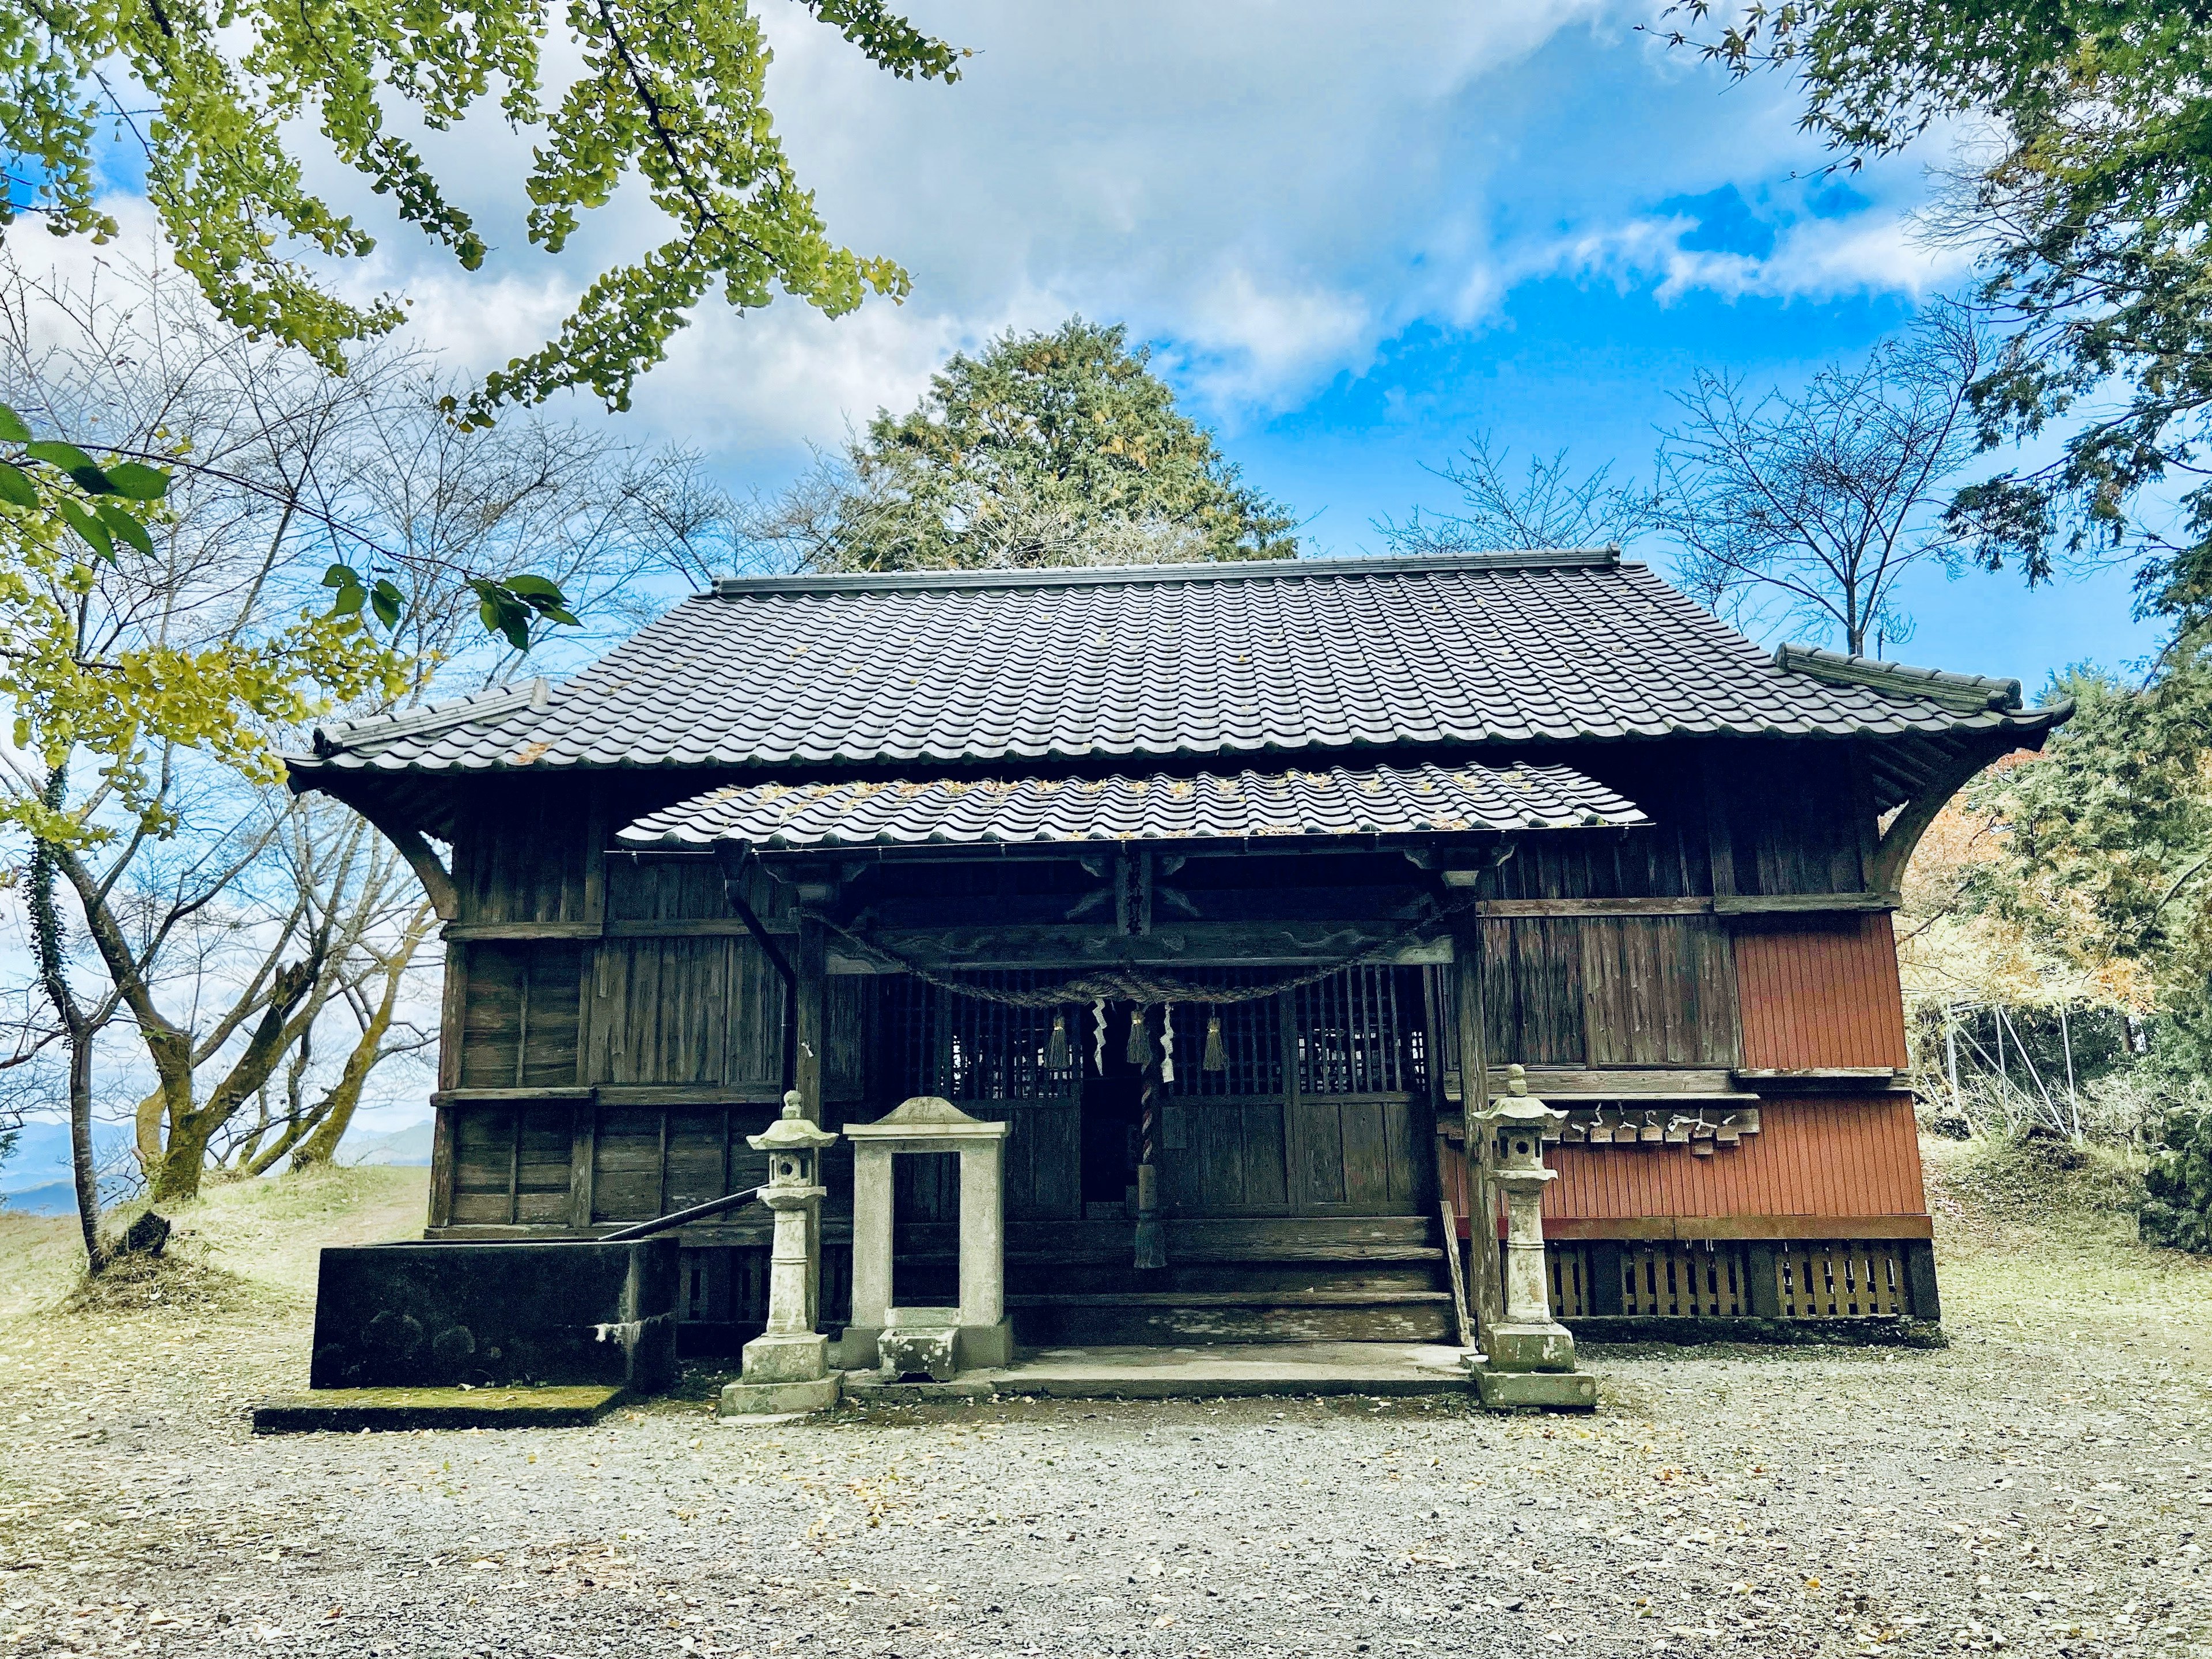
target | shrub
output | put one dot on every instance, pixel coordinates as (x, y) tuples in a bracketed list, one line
[(2176, 1209)]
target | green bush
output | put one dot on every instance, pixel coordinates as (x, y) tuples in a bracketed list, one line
[(2176, 1209)]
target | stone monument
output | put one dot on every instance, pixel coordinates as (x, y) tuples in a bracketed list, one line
[(937, 1342), (786, 1366), (1528, 1357)]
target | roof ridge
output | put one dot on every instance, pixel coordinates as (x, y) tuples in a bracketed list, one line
[(1947, 688), (1126, 575), (491, 701)]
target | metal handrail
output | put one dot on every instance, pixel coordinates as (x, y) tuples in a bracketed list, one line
[(696, 1212)]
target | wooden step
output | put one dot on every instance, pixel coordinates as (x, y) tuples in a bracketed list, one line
[(1140, 1319), (1230, 1299)]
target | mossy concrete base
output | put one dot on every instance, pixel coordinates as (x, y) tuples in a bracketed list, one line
[(1894, 1331), (1558, 1391), (349, 1411), (816, 1393)]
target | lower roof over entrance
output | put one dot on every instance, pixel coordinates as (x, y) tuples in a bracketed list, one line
[(1383, 800)]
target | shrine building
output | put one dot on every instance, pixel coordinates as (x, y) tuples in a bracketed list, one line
[(1231, 888)]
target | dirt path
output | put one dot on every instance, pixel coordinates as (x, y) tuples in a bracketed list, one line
[(2036, 1487)]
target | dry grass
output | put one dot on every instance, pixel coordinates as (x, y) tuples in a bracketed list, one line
[(2025, 1240), (245, 1249)]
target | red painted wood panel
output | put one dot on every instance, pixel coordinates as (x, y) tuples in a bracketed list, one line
[(1829, 1156), (1824, 995)]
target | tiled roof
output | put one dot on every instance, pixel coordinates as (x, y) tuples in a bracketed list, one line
[(1384, 801), (1278, 656)]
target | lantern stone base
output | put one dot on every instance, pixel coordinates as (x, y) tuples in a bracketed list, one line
[(802, 1357), (1530, 1346), (1504, 1391), (780, 1399)]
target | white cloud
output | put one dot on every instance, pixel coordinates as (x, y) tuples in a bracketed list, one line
[(1273, 189)]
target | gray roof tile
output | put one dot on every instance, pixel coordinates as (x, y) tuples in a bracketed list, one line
[(1384, 801), (1287, 656)]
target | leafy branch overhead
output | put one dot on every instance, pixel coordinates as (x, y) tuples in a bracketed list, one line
[(674, 96), (2089, 209), (94, 500)]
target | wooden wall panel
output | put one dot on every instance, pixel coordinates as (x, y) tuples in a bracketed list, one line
[(756, 1016), (1813, 1158), (1822, 994), (698, 1011), (1794, 816), (526, 851), (518, 1015), (510, 1163), (1043, 1178), (1609, 991), (1533, 1003), (1658, 990), (645, 888)]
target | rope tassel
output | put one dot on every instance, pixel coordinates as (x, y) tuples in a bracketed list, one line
[(1217, 1054), (1141, 1040), (1056, 1051)]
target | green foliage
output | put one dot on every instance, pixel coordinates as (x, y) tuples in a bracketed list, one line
[(2092, 220), (63, 512), (2177, 1208), (673, 96), (2109, 836), (1045, 448)]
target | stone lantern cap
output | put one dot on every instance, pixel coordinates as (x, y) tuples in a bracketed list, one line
[(1518, 1108), (792, 1133)]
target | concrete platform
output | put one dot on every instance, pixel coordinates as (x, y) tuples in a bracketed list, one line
[(1235, 1369), (349, 1411)]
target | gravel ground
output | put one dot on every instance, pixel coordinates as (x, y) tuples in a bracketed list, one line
[(2036, 1487)]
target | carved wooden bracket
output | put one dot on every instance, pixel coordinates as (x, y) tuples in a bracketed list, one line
[(1894, 850), (408, 843)]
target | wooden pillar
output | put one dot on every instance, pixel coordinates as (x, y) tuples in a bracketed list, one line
[(1603, 1291), (1762, 1287), (810, 969), (1485, 1283), (1920, 1280), (809, 1027)]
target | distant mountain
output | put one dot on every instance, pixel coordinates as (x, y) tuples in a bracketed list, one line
[(409, 1145), (41, 1157), (55, 1198)]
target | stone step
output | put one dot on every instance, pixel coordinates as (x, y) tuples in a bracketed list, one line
[(1173, 1318)]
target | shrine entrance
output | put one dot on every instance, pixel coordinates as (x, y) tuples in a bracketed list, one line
[(1293, 1134)]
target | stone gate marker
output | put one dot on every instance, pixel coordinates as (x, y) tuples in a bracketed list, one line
[(935, 1341)]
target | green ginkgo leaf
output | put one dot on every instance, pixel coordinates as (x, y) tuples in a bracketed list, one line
[(121, 526), (139, 481), (93, 533)]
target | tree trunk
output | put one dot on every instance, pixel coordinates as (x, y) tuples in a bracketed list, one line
[(82, 1166), (321, 1145), (80, 1031), (191, 1129)]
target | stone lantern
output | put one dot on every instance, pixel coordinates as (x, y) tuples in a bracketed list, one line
[(1528, 1356), (787, 1367)]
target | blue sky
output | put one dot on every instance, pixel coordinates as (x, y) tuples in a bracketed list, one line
[(1354, 236)]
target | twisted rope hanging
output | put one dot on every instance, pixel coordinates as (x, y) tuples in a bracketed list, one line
[(1130, 982)]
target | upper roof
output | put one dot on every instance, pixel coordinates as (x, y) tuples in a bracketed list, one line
[(1277, 656), (1384, 801)]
